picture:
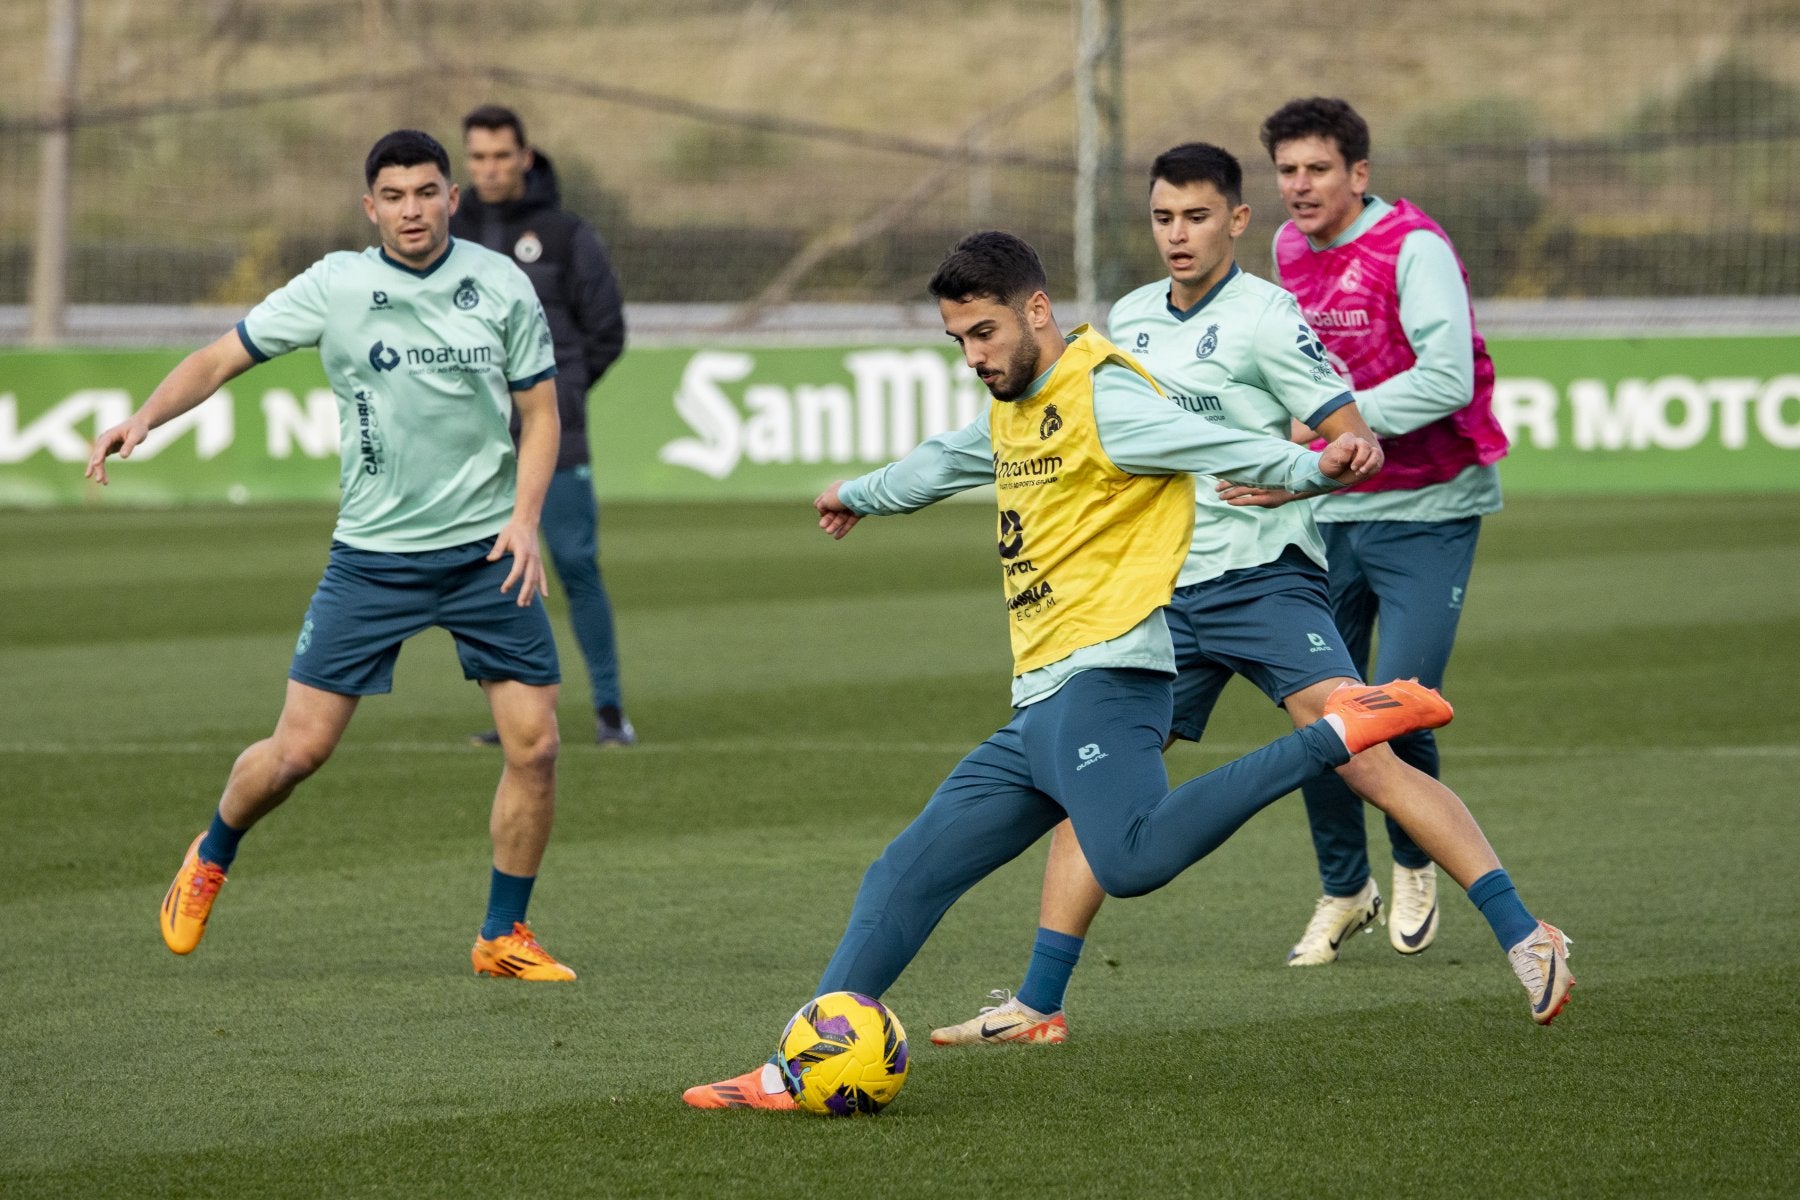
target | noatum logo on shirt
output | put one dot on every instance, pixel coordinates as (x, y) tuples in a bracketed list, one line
[(1013, 468), (443, 358)]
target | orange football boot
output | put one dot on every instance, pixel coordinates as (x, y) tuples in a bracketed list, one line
[(1372, 715), (189, 900), (517, 955), (760, 1088)]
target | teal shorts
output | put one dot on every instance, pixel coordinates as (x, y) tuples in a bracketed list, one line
[(370, 601), (1272, 624)]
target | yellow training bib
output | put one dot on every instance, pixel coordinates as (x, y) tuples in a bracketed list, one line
[(1086, 550)]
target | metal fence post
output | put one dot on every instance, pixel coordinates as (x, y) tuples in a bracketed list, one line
[(1099, 150), (50, 254)]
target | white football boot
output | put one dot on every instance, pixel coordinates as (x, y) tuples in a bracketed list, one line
[(1005, 1021), (1412, 921), (1541, 961), (1334, 919)]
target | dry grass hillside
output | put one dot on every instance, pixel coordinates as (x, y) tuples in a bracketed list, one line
[(638, 100)]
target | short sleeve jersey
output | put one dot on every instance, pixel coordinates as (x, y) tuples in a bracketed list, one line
[(1242, 356), (423, 364)]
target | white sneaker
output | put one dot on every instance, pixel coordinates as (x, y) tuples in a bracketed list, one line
[(1541, 961), (1005, 1021), (1413, 916), (1334, 919)]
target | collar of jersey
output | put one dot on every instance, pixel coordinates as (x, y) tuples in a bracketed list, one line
[(415, 272), (1182, 314), (1374, 208)]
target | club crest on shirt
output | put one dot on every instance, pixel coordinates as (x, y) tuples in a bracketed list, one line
[(1351, 280), (1143, 343), (528, 249), (1209, 341), (466, 296), (377, 299), (1050, 424)]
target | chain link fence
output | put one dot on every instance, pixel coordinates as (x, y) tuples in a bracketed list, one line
[(829, 151)]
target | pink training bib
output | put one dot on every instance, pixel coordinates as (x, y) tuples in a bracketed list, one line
[(1349, 296)]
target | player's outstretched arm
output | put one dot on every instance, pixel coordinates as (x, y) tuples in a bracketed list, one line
[(540, 434), (1348, 460), (835, 517), (939, 467), (193, 380), (1343, 421)]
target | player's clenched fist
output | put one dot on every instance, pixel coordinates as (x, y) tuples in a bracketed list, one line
[(1350, 459)]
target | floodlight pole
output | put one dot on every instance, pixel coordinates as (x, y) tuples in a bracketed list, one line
[(50, 254), (1099, 151)]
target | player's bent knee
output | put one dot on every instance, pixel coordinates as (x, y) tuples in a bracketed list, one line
[(536, 752), (296, 760), (1122, 881), (1367, 770)]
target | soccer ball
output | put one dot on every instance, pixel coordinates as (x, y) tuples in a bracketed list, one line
[(843, 1054)]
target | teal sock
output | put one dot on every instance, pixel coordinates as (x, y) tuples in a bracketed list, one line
[(220, 842), (1499, 902), (1053, 959), (508, 896)]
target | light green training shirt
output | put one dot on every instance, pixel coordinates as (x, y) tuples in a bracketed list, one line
[(1143, 434), (1242, 356), (1434, 311), (423, 364)]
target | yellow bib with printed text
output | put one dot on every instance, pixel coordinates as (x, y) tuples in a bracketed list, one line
[(1086, 550)]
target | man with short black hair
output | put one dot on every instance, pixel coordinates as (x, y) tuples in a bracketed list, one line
[(514, 207), (429, 344)]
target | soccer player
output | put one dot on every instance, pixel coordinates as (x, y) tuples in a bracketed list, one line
[(1251, 599), (515, 209), (1096, 506), (1388, 295), (430, 344)]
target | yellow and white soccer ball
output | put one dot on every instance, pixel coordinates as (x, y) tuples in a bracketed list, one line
[(843, 1054)]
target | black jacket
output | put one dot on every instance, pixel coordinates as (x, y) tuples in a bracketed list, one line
[(568, 265)]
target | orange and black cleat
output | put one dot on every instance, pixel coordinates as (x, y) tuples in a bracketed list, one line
[(760, 1088), (517, 955), (189, 900), (1372, 715)]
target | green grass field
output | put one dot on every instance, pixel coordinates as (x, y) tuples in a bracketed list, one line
[(1626, 734)]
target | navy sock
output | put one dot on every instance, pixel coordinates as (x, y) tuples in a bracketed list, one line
[(508, 895), (220, 842), (1499, 902), (1053, 959)]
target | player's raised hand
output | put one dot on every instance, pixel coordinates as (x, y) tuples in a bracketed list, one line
[(121, 439), (521, 542), (1350, 459), (835, 516)]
